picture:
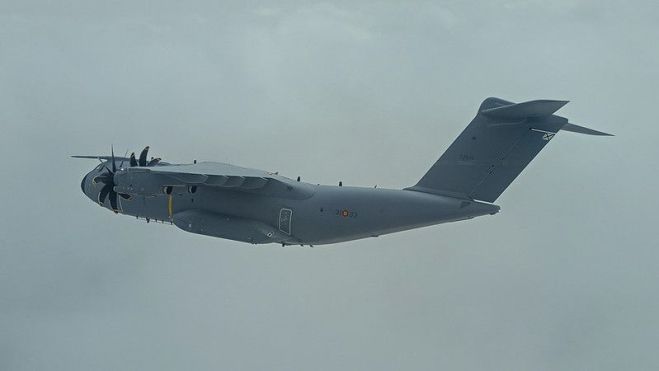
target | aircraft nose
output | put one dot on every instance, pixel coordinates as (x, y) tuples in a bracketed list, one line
[(84, 183)]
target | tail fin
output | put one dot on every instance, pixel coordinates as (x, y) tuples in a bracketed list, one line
[(495, 147)]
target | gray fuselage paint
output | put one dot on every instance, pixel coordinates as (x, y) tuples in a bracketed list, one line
[(326, 214)]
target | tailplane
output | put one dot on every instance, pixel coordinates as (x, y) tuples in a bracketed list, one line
[(495, 147)]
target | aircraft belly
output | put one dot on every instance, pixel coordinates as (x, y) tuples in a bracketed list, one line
[(229, 227), (335, 215), (332, 214)]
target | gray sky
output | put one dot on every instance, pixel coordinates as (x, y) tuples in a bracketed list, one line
[(565, 277)]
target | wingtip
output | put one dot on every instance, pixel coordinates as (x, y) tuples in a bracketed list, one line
[(86, 157)]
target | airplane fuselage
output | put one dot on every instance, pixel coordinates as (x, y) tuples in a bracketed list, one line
[(318, 215)]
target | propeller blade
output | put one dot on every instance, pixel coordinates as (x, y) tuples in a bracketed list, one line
[(113, 201), (154, 161), (114, 165), (133, 161), (145, 151), (121, 164), (104, 193)]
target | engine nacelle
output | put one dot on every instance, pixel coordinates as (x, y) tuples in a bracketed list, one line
[(142, 182)]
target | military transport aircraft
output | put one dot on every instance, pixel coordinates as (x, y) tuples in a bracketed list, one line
[(248, 205)]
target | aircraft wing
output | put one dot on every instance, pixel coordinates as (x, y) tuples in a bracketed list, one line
[(210, 174), (215, 174)]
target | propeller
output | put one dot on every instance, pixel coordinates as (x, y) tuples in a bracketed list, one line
[(133, 160), (142, 161), (107, 178)]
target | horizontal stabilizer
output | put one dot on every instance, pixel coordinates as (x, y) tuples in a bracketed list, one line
[(519, 111), (582, 130)]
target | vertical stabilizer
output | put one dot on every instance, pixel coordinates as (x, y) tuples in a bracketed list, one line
[(495, 147)]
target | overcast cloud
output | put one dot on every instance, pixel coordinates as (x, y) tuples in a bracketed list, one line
[(564, 278)]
